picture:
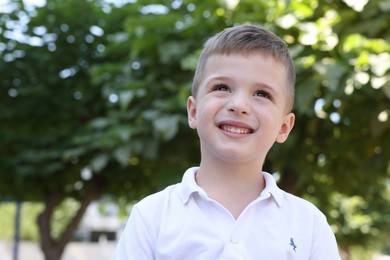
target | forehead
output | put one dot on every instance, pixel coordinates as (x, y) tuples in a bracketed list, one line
[(253, 67)]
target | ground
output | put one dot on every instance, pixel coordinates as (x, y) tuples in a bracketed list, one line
[(101, 250)]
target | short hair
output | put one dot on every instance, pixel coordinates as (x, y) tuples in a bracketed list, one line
[(246, 39)]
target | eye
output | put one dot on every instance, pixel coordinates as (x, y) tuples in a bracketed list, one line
[(264, 94), (222, 87)]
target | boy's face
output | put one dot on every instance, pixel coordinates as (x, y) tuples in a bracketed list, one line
[(241, 107)]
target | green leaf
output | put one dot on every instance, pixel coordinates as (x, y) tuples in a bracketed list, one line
[(166, 126), (99, 162), (122, 154)]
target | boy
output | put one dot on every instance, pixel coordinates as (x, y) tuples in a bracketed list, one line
[(227, 208)]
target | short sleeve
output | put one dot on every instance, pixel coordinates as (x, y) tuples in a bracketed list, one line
[(135, 242), (324, 245)]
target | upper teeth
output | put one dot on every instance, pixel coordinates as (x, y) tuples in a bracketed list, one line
[(236, 130)]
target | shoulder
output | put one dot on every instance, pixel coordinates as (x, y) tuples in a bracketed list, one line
[(139, 237), (314, 222), (289, 202), (302, 205), (305, 221), (156, 201), (169, 198)]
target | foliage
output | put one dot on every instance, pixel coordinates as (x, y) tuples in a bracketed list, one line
[(28, 227), (95, 94)]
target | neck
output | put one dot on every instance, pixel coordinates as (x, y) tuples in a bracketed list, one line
[(233, 186), (226, 173)]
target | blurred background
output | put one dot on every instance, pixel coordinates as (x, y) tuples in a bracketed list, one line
[(92, 115)]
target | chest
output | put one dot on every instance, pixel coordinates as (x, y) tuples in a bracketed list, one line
[(207, 230)]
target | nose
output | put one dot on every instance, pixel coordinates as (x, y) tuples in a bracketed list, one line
[(239, 104)]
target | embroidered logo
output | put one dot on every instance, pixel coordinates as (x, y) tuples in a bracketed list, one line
[(293, 244)]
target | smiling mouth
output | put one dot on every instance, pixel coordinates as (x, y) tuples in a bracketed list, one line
[(235, 130)]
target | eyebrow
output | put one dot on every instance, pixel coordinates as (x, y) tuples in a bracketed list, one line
[(225, 78), (266, 87), (222, 78)]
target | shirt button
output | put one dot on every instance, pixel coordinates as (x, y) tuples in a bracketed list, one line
[(234, 240)]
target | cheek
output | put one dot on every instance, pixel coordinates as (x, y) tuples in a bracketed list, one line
[(203, 118), (270, 122), (208, 109)]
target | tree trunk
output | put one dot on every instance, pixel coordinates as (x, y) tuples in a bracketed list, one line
[(289, 181), (53, 248), (50, 247), (345, 253), (289, 178)]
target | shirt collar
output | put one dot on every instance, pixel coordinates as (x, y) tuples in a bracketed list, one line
[(272, 188), (189, 186)]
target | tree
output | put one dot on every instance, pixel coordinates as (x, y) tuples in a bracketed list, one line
[(47, 96), (66, 133), (93, 102)]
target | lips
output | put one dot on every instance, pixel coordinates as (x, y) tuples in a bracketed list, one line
[(235, 129)]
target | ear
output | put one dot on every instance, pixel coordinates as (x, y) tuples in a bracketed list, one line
[(285, 129), (191, 112)]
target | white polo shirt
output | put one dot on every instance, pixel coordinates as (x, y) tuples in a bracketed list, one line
[(181, 223)]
